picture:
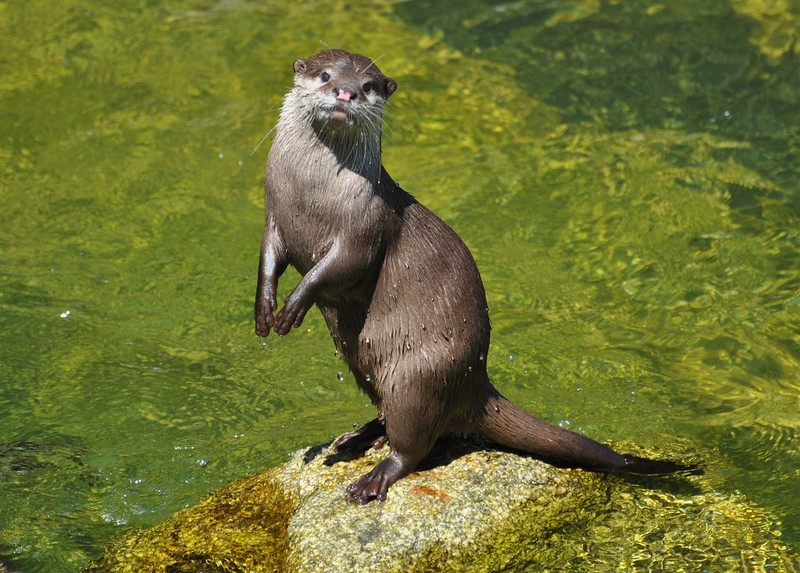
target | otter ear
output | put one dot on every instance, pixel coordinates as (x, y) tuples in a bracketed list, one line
[(299, 66), (391, 86)]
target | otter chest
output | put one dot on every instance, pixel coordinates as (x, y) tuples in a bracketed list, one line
[(312, 212)]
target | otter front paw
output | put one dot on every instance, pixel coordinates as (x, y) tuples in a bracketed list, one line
[(291, 315), (264, 319)]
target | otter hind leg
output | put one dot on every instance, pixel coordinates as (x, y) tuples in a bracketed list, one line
[(412, 429)]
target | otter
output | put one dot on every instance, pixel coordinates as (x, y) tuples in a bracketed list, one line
[(398, 288)]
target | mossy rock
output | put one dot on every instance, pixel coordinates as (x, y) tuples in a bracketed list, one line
[(468, 509), (242, 527)]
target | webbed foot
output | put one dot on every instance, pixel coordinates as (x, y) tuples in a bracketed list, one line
[(376, 483), (355, 444)]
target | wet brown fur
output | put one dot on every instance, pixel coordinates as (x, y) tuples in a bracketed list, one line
[(398, 288)]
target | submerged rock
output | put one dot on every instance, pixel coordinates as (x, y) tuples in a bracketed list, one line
[(468, 509)]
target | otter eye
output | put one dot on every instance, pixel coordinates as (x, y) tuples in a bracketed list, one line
[(325, 76), (367, 87)]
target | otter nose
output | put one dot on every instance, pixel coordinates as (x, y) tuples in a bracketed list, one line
[(344, 94)]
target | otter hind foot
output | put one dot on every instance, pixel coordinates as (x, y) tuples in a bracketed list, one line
[(355, 444), (376, 483)]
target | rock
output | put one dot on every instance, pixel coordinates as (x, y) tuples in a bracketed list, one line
[(468, 509)]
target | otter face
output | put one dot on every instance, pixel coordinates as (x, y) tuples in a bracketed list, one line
[(346, 89)]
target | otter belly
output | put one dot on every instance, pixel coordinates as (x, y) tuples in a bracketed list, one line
[(423, 328)]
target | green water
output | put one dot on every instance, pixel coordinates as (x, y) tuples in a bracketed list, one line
[(626, 174)]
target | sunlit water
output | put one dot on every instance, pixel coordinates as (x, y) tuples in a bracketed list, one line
[(626, 176)]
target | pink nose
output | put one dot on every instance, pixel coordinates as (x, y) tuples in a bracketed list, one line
[(345, 95)]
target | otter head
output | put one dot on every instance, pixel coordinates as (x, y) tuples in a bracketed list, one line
[(343, 89)]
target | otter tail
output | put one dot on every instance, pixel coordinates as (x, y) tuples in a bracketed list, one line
[(510, 426)]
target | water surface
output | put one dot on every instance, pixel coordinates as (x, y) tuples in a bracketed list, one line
[(626, 175)]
